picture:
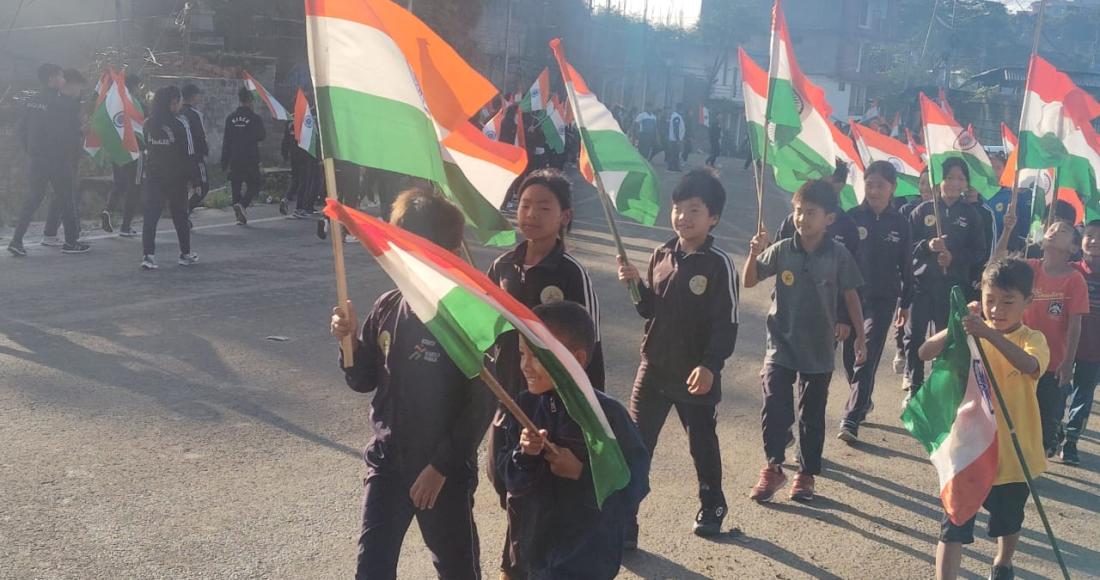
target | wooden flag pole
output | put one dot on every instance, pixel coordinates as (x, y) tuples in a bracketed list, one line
[(1020, 456), (1024, 108), (935, 195), (511, 405), (760, 181), (335, 233)]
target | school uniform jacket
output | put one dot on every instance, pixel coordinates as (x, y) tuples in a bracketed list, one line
[(244, 130), (424, 410), (965, 240), (884, 254), (198, 131), (689, 301), (558, 276), (168, 151), (48, 125)]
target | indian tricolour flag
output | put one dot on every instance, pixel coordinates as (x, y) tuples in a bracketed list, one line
[(874, 146), (537, 102), (792, 164), (538, 94), (466, 312), (305, 133), (952, 417), (852, 193), (493, 125), (605, 150), (1056, 131), (945, 138), (259, 93), (797, 109), (92, 144), (112, 122), (392, 94)]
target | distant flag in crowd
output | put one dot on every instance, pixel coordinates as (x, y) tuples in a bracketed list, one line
[(467, 312), (259, 93), (629, 180), (874, 146), (113, 122), (792, 164), (915, 147), (1028, 177), (704, 116), (538, 94), (945, 138), (1057, 132), (493, 125), (852, 193), (537, 102), (305, 131), (952, 418), (944, 104), (92, 144)]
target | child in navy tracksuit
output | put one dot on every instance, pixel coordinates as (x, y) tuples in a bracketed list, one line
[(884, 258), (428, 421), (556, 530)]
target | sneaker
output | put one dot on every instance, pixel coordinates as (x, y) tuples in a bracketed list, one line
[(149, 262), (848, 435), (771, 479), (188, 259), (322, 229), (1002, 573), (803, 487), (17, 250), (105, 221), (127, 233), (906, 384), (708, 522), (242, 219), (51, 242), (1053, 450), (899, 363), (77, 248), (630, 537), (905, 401), (1069, 453), (283, 207)]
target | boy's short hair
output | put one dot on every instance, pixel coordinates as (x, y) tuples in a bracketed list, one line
[(840, 173), (244, 95), (429, 216), (1065, 212), (883, 169), (48, 71), (703, 183), (73, 77), (553, 180), (190, 90), (818, 192), (1009, 273), (570, 323)]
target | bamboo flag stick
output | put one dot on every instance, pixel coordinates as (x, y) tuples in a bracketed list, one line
[(335, 234)]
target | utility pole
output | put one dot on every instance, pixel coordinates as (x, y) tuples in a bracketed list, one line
[(118, 31), (645, 52), (507, 46)]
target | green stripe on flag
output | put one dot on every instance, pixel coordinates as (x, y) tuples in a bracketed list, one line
[(466, 326), (982, 177), (908, 186), (783, 110), (794, 164), (110, 142), (484, 221), (637, 197), (1040, 151), (376, 132)]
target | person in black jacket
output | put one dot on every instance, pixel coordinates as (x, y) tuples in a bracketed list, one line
[(74, 85), (885, 261), (689, 299), (169, 169), (940, 262), (244, 130), (196, 132), (428, 420), (46, 132)]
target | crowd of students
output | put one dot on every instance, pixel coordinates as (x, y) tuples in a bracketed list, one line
[(883, 263)]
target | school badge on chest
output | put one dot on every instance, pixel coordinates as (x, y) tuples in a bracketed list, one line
[(698, 284), (930, 220), (551, 294), (862, 233), (384, 342), (787, 277)]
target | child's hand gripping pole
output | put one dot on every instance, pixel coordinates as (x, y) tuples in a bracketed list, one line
[(513, 408)]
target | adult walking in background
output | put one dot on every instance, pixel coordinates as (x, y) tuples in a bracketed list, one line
[(169, 168), (244, 130), (676, 134)]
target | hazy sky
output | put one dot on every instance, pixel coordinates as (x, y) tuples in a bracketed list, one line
[(659, 8)]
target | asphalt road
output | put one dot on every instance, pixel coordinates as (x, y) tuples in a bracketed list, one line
[(151, 429)]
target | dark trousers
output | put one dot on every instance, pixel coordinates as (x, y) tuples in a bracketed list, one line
[(299, 178), (53, 216), (1085, 377), (250, 178), (929, 308), (672, 155), (1052, 405), (126, 191), (157, 192), (43, 173), (204, 188), (777, 416), (878, 318), (645, 145), (649, 408), (715, 151), (448, 528)]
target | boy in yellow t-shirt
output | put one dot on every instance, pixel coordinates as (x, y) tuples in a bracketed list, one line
[(1017, 356)]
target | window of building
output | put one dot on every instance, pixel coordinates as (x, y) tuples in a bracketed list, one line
[(865, 14)]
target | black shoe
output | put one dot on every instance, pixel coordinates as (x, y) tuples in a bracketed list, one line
[(630, 537), (708, 522), (128, 232), (242, 219), (283, 207), (105, 222), (17, 250), (1069, 453), (322, 229), (1002, 573), (76, 248)]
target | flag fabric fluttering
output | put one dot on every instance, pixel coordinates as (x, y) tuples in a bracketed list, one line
[(952, 418), (915, 147), (630, 182), (546, 117), (391, 93), (945, 138), (305, 133), (792, 164), (852, 193), (92, 144), (874, 146), (278, 111), (466, 312), (113, 122), (1057, 132), (493, 125)]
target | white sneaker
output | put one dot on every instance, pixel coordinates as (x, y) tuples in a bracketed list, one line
[(899, 363), (52, 241), (188, 259), (149, 262), (905, 384)]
